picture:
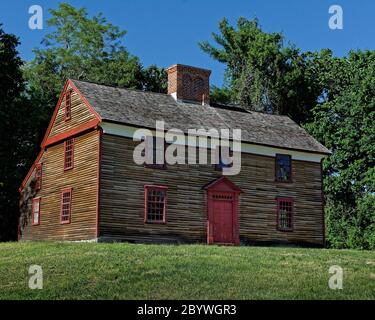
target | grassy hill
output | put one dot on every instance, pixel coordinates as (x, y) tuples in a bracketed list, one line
[(129, 271)]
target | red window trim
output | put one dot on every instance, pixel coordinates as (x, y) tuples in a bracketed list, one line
[(291, 168), (72, 161), (68, 106), (63, 191), (32, 211), (291, 201), (147, 188), (38, 176)]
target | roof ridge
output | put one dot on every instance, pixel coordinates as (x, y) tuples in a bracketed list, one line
[(118, 87), (141, 110), (231, 107)]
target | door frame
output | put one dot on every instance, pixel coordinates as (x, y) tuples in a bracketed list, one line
[(222, 186)]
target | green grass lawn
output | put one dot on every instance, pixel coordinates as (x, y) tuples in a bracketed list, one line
[(129, 271)]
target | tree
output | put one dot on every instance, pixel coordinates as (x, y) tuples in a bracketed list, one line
[(262, 74), (17, 136), (155, 79), (84, 48), (79, 47), (344, 122), (334, 98)]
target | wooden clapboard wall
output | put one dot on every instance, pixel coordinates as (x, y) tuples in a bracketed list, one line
[(81, 114), (83, 178), (122, 198)]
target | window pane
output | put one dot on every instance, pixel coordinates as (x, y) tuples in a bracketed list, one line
[(66, 206), (283, 167), (285, 212), (68, 155), (35, 211), (156, 203)]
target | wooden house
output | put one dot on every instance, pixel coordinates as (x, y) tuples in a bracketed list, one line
[(85, 185)]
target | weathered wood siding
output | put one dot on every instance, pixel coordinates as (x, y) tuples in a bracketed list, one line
[(80, 114), (122, 198), (83, 178)]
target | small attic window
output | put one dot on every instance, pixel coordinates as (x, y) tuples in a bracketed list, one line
[(68, 105), (38, 176)]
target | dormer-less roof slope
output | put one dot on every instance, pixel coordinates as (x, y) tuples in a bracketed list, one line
[(142, 109)]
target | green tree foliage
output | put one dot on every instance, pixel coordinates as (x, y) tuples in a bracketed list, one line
[(344, 122), (84, 48), (333, 97), (262, 74), (155, 79), (17, 135), (79, 47), (221, 95)]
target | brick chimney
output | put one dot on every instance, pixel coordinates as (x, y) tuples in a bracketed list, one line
[(189, 83)]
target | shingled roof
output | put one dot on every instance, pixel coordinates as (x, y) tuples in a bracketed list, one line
[(142, 109)]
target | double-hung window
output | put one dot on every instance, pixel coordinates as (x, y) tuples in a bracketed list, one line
[(35, 211), (285, 214), (38, 176), (283, 168), (68, 154), (155, 153), (155, 204), (66, 205)]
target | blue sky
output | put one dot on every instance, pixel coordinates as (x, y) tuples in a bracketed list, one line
[(165, 32)]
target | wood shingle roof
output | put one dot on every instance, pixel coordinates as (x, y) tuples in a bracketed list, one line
[(142, 109)]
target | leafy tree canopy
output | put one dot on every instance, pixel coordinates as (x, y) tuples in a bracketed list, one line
[(262, 74), (84, 48), (17, 134), (344, 122)]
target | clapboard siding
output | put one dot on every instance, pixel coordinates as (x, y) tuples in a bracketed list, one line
[(83, 178), (122, 198), (80, 114)]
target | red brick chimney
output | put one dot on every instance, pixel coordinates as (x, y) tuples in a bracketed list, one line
[(189, 83)]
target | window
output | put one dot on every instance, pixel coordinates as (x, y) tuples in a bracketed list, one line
[(68, 105), (35, 211), (38, 176), (283, 168), (157, 145), (155, 204), (68, 154), (285, 214), (66, 205), (224, 159)]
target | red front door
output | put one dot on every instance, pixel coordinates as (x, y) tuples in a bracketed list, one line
[(223, 219), (222, 212)]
